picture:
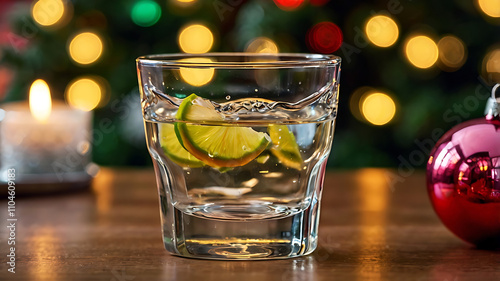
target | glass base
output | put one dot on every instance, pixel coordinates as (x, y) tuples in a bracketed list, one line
[(203, 237)]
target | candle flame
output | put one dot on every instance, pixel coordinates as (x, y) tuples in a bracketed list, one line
[(39, 100)]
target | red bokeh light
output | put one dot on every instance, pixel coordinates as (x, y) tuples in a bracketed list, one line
[(288, 5), (324, 37)]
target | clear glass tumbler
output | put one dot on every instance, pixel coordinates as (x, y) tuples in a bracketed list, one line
[(239, 144)]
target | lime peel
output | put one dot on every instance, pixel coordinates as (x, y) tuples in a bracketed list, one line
[(173, 148), (285, 148)]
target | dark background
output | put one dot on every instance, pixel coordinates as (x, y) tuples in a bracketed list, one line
[(428, 101)]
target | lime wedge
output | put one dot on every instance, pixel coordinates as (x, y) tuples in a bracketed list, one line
[(216, 145), (174, 150), (284, 147)]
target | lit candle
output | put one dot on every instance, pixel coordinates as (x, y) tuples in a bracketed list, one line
[(45, 142)]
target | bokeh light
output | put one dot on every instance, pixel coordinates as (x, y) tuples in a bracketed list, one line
[(85, 48), (40, 102), (84, 93), (195, 39), (382, 31), (197, 76), (491, 65), (324, 37), (452, 52), (421, 51), (182, 7), (262, 45), (48, 12), (493, 62), (355, 101), (288, 5), (490, 7), (378, 108), (145, 13)]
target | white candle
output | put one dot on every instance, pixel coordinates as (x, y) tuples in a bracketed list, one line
[(43, 146)]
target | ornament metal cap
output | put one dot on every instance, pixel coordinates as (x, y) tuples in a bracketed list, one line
[(492, 108)]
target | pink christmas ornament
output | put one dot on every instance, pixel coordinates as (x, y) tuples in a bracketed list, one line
[(463, 178)]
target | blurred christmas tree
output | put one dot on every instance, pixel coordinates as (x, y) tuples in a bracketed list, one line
[(411, 69)]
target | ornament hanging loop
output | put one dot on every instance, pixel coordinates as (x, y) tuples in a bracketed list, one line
[(492, 107)]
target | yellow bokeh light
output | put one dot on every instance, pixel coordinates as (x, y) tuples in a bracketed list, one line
[(85, 48), (195, 39), (378, 108), (355, 101), (197, 76), (452, 52), (491, 65), (490, 7), (84, 93), (184, 5), (48, 12), (382, 31), (493, 62), (421, 51), (262, 45)]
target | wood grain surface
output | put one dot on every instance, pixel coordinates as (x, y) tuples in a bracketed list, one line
[(369, 230)]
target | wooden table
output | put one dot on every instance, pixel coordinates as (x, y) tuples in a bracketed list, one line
[(369, 230)]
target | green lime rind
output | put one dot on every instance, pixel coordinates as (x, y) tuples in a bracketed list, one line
[(285, 147), (187, 102), (290, 155), (262, 158), (174, 150)]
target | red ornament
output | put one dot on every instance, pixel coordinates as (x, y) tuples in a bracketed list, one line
[(463, 180)]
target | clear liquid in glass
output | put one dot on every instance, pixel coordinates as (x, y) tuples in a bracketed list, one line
[(233, 207)]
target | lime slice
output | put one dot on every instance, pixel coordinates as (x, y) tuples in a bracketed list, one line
[(216, 145), (284, 147), (174, 150), (262, 158)]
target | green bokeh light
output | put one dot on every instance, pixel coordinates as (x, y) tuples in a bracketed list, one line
[(145, 13)]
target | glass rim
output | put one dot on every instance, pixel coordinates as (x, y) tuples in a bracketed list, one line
[(270, 60)]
